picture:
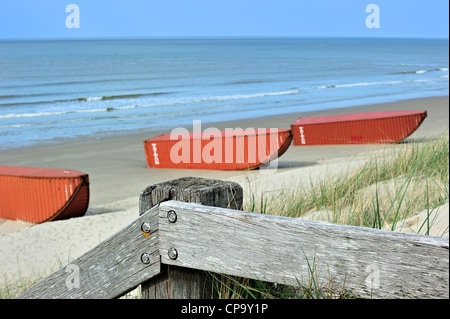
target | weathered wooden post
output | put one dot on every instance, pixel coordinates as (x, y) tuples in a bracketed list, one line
[(176, 282)]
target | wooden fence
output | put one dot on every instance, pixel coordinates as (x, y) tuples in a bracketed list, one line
[(190, 225)]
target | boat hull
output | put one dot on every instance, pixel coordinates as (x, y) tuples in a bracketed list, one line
[(359, 128), (39, 195), (234, 150)]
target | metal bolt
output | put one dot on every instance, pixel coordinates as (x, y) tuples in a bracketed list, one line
[(145, 258), (146, 227), (173, 254), (172, 216)]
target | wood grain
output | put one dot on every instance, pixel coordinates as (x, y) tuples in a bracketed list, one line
[(109, 270), (371, 263), (202, 191), (175, 282)]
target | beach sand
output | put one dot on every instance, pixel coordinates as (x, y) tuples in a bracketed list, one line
[(118, 174)]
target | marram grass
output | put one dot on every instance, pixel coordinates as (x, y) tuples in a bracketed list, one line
[(387, 188)]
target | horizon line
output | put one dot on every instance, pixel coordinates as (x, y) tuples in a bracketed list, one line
[(216, 37)]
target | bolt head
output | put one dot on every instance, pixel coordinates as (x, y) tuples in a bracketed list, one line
[(172, 253), (145, 258), (145, 227), (172, 216)]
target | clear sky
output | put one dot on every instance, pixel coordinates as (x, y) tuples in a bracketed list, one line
[(209, 18)]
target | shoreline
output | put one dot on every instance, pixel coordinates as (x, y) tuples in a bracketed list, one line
[(118, 173), (284, 119), (123, 154)]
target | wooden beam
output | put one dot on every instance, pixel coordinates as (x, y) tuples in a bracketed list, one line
[(371, 263), (197, 190), (111, 269), (175, 282)]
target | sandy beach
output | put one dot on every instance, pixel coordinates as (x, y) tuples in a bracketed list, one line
[(118, 174)]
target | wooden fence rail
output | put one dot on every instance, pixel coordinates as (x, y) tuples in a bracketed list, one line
[(194, 237)]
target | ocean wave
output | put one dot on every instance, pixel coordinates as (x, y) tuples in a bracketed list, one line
[(226, 98), (106, 109), (241, 82), (120, 97), (250, 96), (7, 96), (15, 96), (375, 83), (414, 72), (358, 84), (176, 102), (87, 99), (422, 71), (15, 125), (76, 82)]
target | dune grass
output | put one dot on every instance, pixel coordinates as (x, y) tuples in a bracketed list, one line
[(230, 287), (387, 188)]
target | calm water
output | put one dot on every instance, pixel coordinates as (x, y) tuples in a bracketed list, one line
[(54, 90)]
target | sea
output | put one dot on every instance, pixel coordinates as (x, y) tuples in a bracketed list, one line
[(57, 90)]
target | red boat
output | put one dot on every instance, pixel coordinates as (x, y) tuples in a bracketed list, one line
[(38, 195), (219, 150), (358, 128)]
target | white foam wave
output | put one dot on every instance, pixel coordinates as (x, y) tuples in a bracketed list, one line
[(359, 84), (94, 98), (249, 96), (107, 109), (423, 71), (226, 98), (15, 115), (15, 125)]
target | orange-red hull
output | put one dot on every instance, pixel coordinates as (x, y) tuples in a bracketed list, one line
[(38, 195), (358, 128), (225, 150)]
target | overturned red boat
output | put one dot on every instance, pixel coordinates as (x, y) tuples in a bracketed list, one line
[(38, 195), (357, 128), (217, 150)]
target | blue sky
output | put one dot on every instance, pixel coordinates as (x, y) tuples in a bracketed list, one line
[(209, 18)]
